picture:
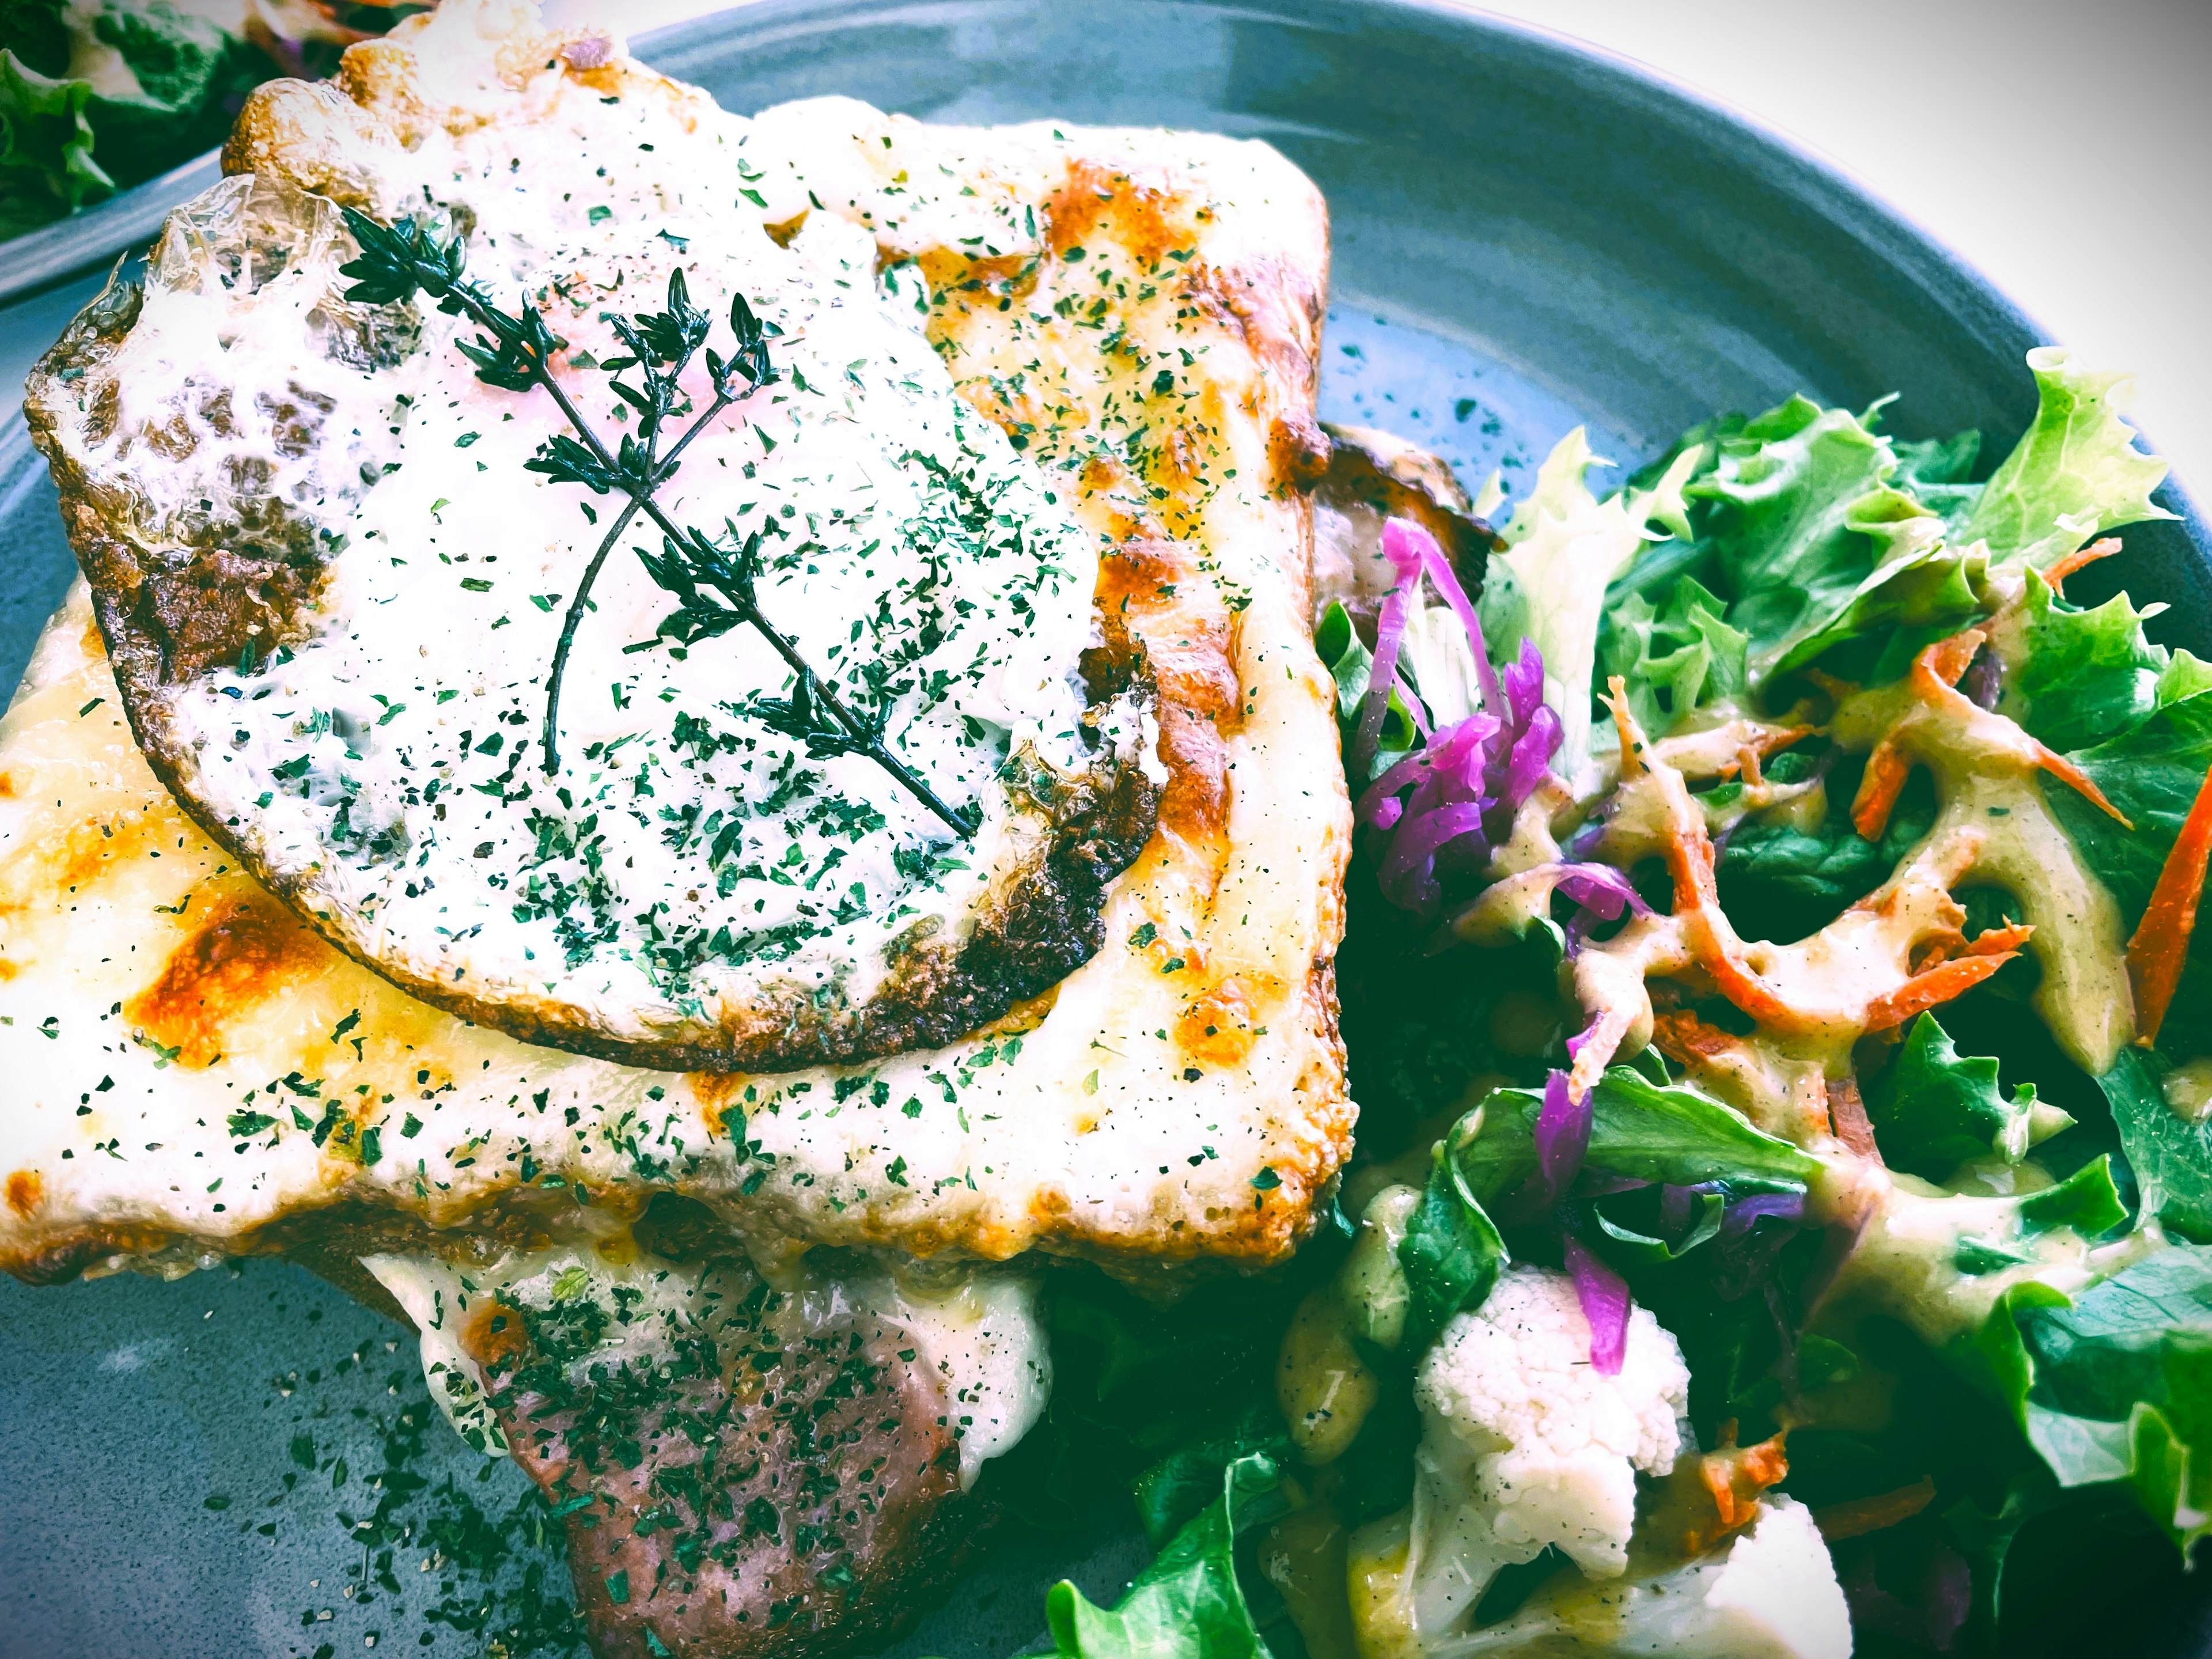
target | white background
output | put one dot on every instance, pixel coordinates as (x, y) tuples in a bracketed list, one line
[(2062, 146)]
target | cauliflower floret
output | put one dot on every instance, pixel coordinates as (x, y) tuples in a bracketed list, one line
[(1548, 1443), (1525, 1443), (1769, 1593)]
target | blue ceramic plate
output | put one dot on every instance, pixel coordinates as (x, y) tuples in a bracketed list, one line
[(1528, 235)]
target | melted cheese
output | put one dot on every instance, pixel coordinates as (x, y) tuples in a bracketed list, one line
[(390, 764), (1180, 1096)]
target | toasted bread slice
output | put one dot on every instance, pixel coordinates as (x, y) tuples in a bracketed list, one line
[(1178, 1096)]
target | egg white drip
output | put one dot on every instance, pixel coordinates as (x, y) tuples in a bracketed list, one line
[(896, 519), (981, 1332)]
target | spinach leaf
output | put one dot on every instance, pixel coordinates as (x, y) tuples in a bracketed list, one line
[(1451, 1253), (2073, 476), (1646, 1249), (1187, 1603), (2118, 1386), (1351, 664), (1781, 882), (1933, 1109), (1172, 1491), (1640, 1130)]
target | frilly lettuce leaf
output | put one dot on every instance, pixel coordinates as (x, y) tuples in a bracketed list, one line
[(47, 148), (2115, 1387), (1674, 656), (2076, 474), (1933, 1109), (1563, 549), (2078, 676), (146, 84), (1936, 471), (1815, 545)]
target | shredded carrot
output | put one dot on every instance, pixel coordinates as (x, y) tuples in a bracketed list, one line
[(1861, 1515), (2058, 573), (1935, 676), (1734, 1476), (2160, 946), (1946, 660), (1887, 770), (1994, 941), (1931, 989), (2059, 766), (1690, 861)]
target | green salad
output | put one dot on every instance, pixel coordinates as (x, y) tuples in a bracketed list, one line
[(96, 95), (1782, 1217)]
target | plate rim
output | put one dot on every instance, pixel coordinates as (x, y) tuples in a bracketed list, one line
[(72, 248)]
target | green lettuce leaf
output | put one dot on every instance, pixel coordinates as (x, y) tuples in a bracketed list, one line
[(1932, 1109), (1451, 1253), (159, 85), (2075, 474), (45, 137), (1639, 1129), (1675, 657), (2172, 1157), (2151, 772), (1563, 549), (1935, 472), (2116, 1386), (1813, 543), (2079, 677), (1187, 1603)]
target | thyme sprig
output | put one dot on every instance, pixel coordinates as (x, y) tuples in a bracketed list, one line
[(715, 582)]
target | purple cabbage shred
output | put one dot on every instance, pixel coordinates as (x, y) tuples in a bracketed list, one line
[(1603, 1294), (1454, 799)]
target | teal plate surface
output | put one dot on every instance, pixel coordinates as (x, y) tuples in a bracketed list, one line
[(1528, 236)]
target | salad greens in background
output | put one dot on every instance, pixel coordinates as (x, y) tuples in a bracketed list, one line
[(96, 95), (2004, 1455)]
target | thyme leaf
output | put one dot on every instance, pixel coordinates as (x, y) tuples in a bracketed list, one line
[(714, 581)]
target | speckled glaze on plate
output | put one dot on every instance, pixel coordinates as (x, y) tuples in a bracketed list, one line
[(1528, 235)]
